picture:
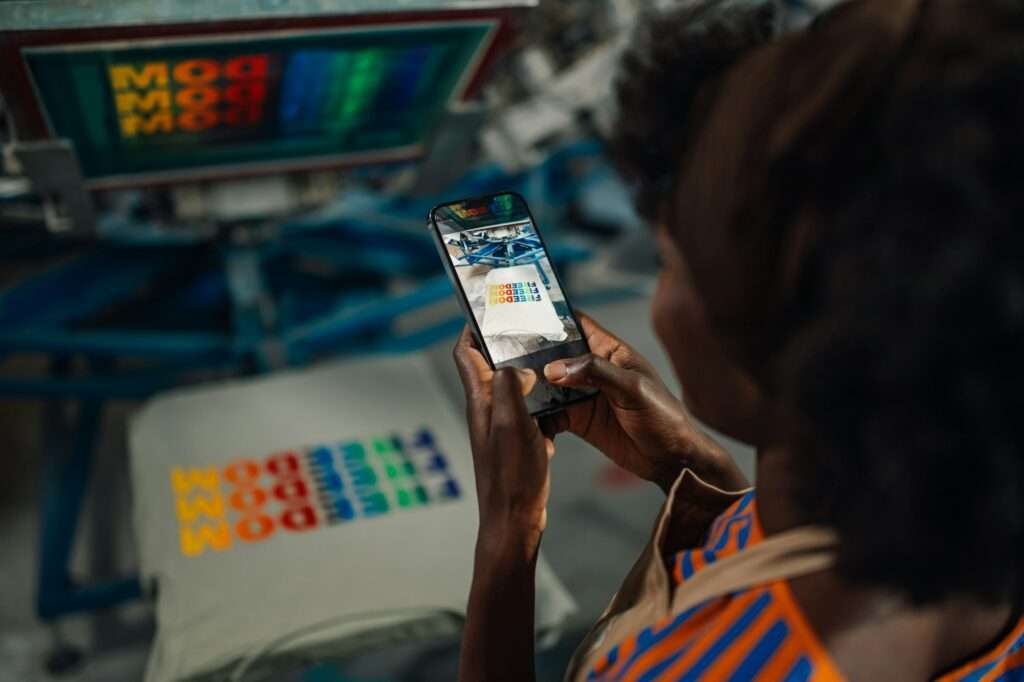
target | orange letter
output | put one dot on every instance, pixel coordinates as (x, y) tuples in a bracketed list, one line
[(183, 480), (129, 102), (249, 66), (238, 498), (162, 122), (242, 472), (189, 510), (123, 76), (200, 119), (196, 71), (217, 537), (264, 526), (197, 98)]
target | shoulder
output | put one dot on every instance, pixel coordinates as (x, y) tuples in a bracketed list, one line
[(1005, 662), (747, 635)]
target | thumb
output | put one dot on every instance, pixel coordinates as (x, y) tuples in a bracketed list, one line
[(620, 385)]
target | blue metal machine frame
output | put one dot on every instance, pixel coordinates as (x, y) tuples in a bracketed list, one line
[(502, 252), (277, 317)]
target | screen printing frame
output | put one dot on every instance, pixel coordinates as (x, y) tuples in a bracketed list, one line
[(467, 310), (30, 120)]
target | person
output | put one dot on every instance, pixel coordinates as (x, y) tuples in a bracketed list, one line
[(841, 225)]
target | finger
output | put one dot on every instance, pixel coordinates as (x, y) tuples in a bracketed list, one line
[(620, 385), (549, 446), (610, 347), (474, 371), (543, 524), (553, 424), (601, 341), (589, 324), (527, 380), (476, 374), (508, 408)]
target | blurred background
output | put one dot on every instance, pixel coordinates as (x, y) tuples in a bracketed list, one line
[(213, 246)]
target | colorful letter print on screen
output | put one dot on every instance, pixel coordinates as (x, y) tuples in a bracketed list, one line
[(295, 491), (513, 292)]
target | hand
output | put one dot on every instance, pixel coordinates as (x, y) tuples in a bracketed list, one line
[(510, 454), (635, 420)]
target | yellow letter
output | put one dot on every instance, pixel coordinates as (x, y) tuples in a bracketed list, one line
[(189, 510), (194, 543), (162, 122), (123, 76), (128, 102), (183, 480)]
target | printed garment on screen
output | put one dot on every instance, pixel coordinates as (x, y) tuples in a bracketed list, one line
[(754, 634), (517, 304)]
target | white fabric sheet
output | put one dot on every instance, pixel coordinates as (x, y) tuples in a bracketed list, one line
[(263, 507)]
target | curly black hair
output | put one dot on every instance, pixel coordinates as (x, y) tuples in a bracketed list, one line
[(907, 351), (903, 336), (675, 55)]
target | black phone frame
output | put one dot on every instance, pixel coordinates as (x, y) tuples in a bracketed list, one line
[(467, 311)]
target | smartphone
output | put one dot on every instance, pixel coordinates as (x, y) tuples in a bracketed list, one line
[(509, 291)]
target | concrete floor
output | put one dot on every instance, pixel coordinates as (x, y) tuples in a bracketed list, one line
[(599, 519)]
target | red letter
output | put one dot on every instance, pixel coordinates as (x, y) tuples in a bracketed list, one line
[(291, 490), (299, 519), (252, 92), (249, 66), (243, 116), (283, 464)]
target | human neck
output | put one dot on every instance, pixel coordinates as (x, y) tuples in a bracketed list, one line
[(776, 490)]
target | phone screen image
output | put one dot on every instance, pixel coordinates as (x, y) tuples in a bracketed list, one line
[(509, 287)]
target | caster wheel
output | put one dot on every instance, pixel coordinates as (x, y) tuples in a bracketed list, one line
[(63, 660)]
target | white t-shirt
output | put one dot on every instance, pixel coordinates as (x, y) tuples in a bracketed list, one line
[(517, 304), (265, 507)]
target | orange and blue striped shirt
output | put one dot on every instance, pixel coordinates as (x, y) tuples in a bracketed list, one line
[(756, 634)]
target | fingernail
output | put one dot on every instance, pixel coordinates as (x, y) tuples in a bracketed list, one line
[(525, 375), (555, 370)]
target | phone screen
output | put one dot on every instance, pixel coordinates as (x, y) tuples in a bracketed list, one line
[(510, 290)]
